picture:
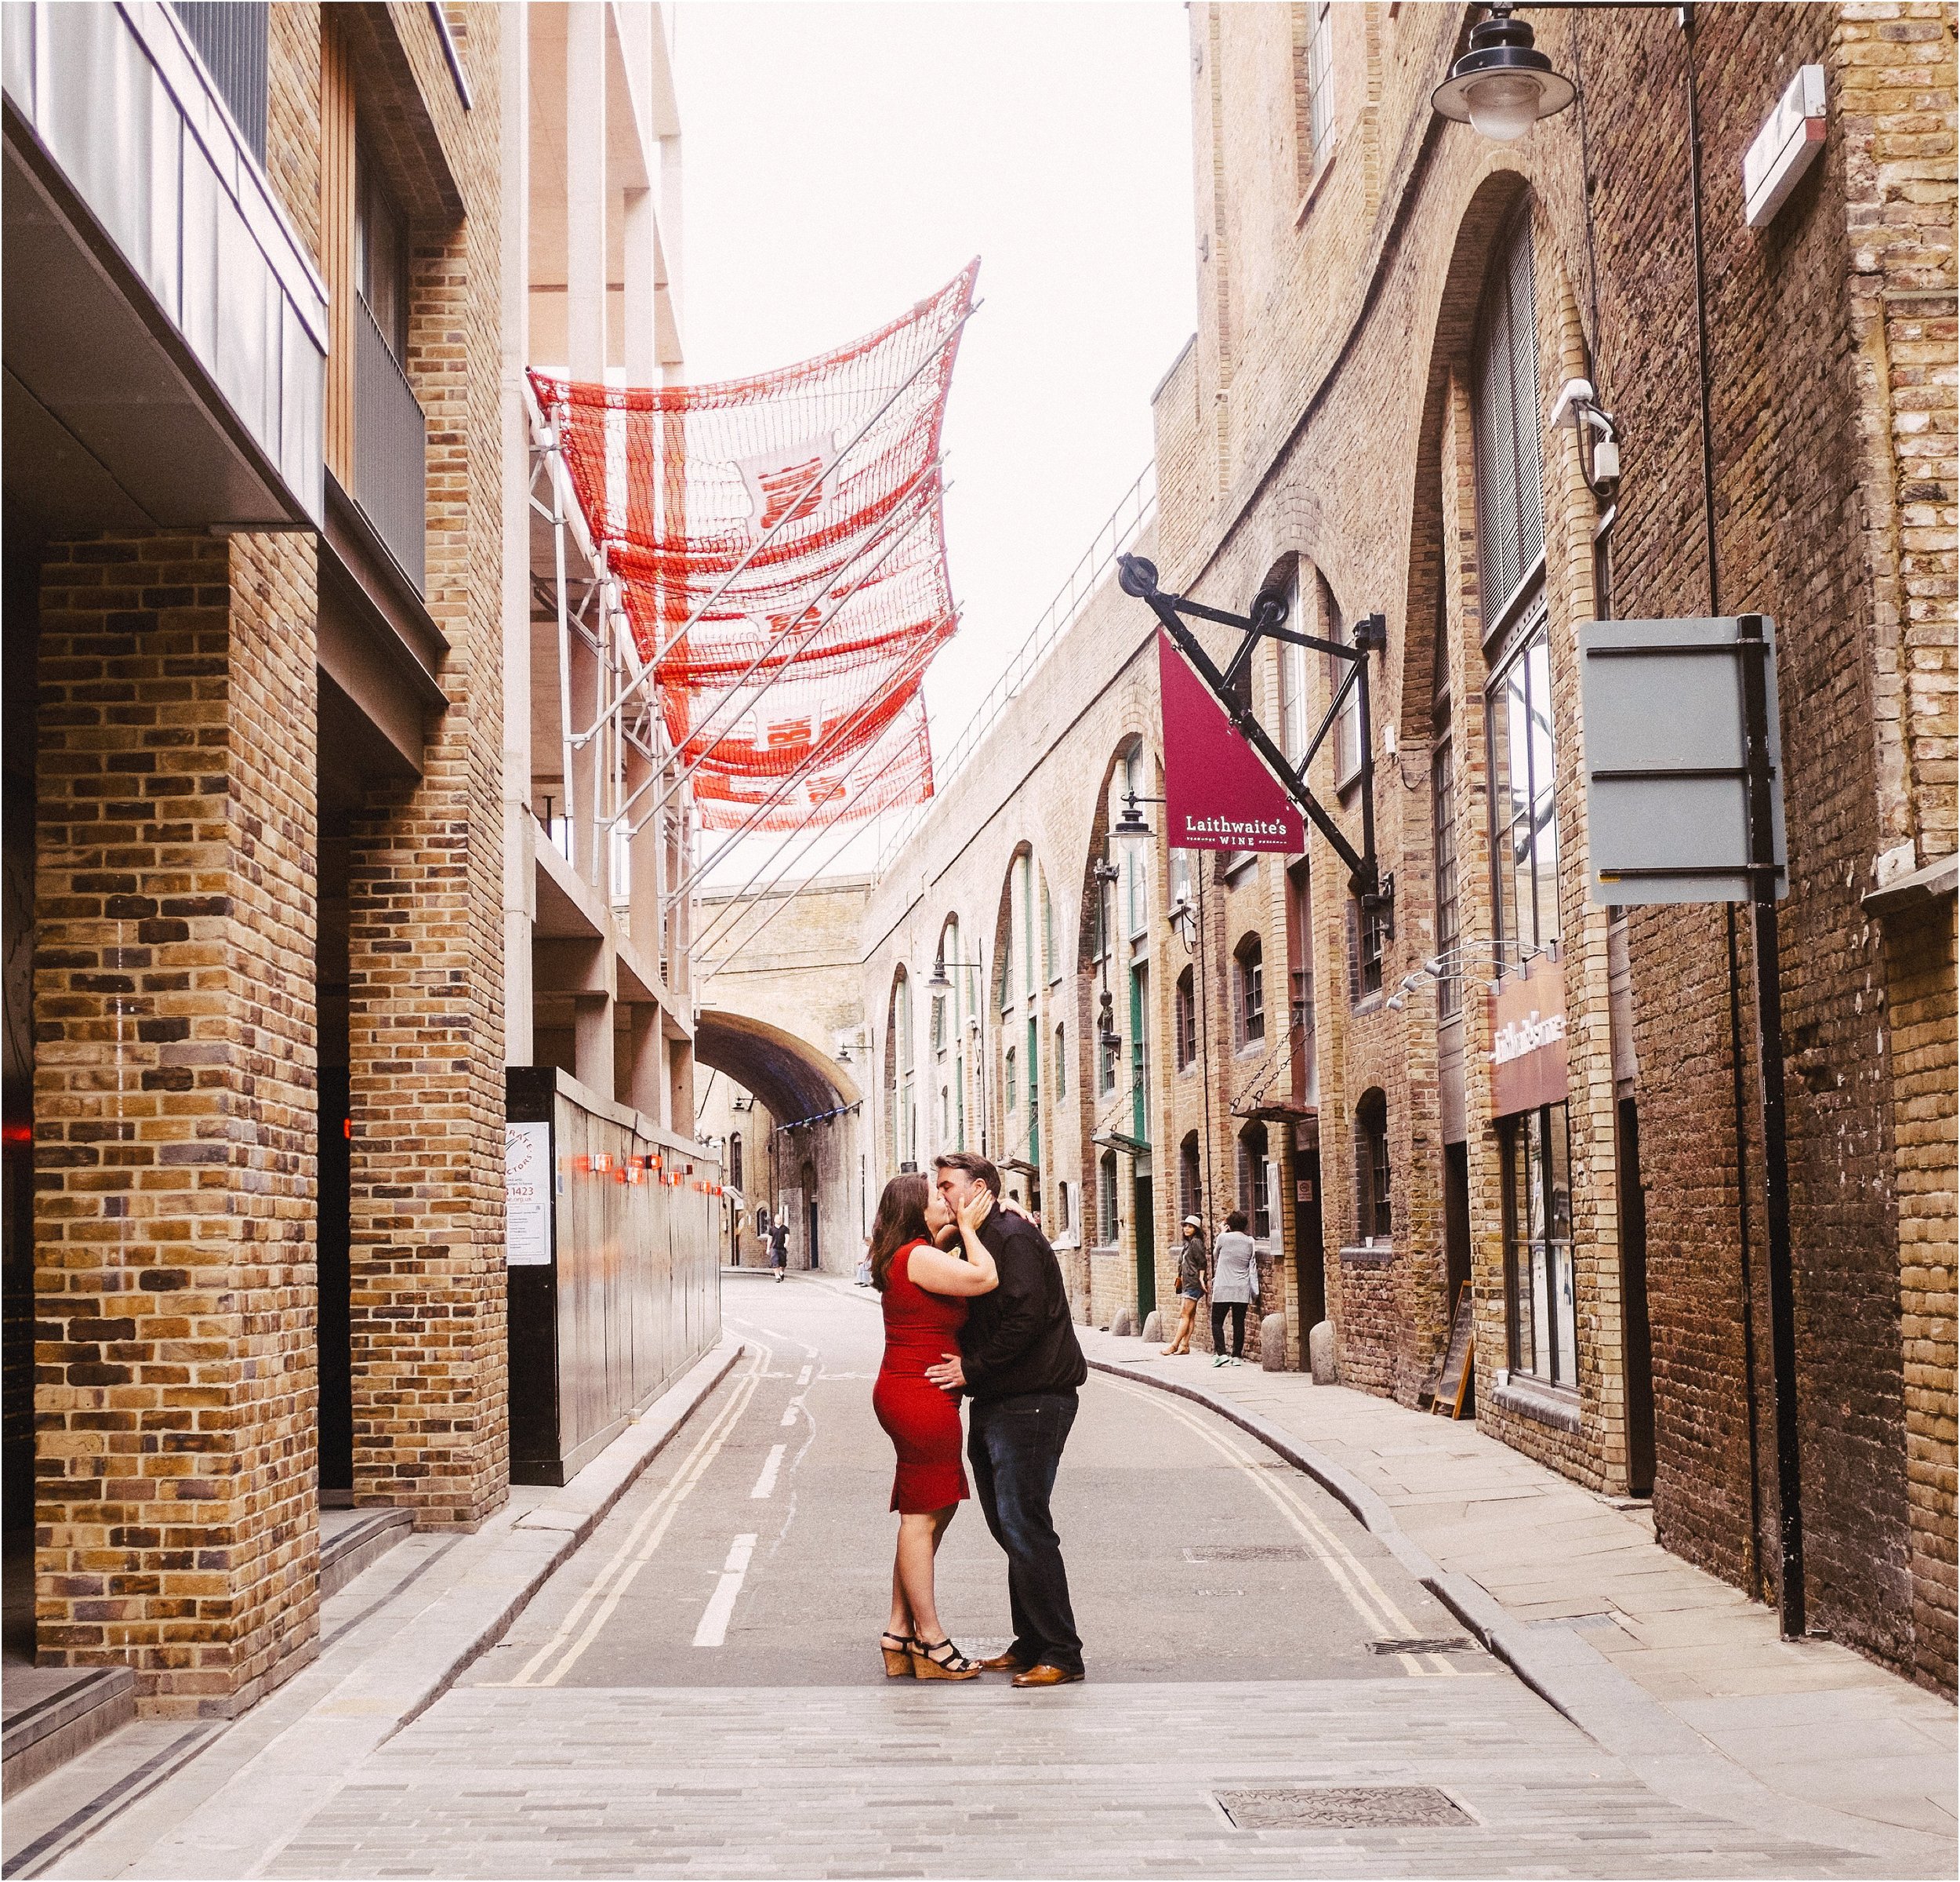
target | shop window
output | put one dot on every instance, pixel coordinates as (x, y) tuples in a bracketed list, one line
[(1249, 974), (1443, 839), (1369, 929), (1293, 682), (1187, 1016), (1346, 725), (1320, 84), (1013, 1085), (1255, 1189), (1523, 799), (1506, 424), (1190, 1180), (1106, 1197), (1374, 1217), (735, 1161), (1061, 1062), (1538, 1227), (1302, 1020)]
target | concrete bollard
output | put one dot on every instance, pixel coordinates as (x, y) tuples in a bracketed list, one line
[(1124, 1325), (1320, 1355), (1153, 1325), (1272, 1343)]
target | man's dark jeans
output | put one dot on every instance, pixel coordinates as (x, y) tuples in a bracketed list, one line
[(1014, 1445)]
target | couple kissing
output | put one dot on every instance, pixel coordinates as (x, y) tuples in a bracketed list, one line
[(974, 1307)]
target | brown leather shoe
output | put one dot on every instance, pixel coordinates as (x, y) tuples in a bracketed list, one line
[(1045, 1675), (1004, 1663)]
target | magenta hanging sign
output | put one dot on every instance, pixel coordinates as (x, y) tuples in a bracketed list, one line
[(1217, 794)]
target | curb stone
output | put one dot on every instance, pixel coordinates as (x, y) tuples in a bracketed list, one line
[(1571, 1677)]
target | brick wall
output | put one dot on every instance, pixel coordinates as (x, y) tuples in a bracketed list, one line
[(426, 940), (174, 1106)]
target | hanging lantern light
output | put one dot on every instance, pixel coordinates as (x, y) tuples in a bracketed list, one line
[(1503, 85)]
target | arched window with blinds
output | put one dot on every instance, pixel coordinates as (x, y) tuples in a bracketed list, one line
[(1504, 391)]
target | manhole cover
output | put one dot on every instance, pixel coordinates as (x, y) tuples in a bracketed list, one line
[(1248, 1552), (1357, 1806), (1447, 1643)]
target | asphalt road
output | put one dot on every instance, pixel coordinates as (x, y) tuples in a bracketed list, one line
[(757, 1551)]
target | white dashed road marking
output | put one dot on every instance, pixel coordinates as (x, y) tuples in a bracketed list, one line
[(714, 1619), (766, 1483)]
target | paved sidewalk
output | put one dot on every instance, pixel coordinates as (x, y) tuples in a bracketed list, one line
[(1632, 1643), (173, 1796)]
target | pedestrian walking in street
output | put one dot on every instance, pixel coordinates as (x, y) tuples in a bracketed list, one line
[(780, 1246), (926, 1292), (1191, 1278), (1234, 1282), (1021, 1365)]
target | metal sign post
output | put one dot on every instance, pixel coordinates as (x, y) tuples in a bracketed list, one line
[(1683, 755)]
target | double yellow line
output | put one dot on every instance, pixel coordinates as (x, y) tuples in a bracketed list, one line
[(588, 1615), (1364, 1594)]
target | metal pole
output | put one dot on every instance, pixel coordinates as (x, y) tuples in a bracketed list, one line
[(789, 512), (1775, 1156), (565, 633)]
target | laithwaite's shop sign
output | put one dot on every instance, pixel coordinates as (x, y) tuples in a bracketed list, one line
[(1528, 1038), (1216, 794)]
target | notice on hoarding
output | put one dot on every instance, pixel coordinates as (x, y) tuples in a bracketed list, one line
[(527, 1195), (1218, 795)]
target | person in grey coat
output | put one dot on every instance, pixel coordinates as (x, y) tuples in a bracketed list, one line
[(1234, 1281)]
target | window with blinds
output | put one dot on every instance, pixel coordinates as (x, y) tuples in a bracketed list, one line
[(1505, 393)]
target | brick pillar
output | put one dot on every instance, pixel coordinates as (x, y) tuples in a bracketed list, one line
[(426, 949), (175, 1112)]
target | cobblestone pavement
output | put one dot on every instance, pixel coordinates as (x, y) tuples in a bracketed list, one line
[(697, 1692)]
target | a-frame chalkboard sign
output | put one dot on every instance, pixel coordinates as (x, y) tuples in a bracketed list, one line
[(1453, 1385)]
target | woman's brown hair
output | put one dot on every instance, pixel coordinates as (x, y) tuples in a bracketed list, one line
[(901, 1220)]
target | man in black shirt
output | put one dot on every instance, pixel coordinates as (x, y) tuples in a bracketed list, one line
[(1020, 1364)]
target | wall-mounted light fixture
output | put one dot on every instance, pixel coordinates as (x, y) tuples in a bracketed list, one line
[(1599, 436)]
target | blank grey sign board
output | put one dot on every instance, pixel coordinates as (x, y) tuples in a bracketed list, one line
[(1666, 759)]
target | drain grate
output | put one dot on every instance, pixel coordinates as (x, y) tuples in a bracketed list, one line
[(1447, 1643), (1355, 1806), (1248, 1552)]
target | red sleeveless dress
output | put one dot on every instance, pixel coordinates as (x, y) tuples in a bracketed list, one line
[(920, 1329)]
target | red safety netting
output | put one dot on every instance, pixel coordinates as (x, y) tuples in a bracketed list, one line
[(780, 548)]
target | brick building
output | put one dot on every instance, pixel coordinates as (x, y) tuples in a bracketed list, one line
[(274, 903), (1390, 305)]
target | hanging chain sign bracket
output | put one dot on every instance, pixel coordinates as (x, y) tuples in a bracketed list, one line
[(1137, 576)]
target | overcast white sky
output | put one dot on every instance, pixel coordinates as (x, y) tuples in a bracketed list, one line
[(844, 160)]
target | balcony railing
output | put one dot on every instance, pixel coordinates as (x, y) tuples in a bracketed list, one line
[(132, 118), (390, 449), (231, 39)]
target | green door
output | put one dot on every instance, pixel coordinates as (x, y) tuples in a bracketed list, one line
[(1145, 1219)]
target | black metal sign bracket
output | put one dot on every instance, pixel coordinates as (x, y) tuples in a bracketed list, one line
[(1137, 576)]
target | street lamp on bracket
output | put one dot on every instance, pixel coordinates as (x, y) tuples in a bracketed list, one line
[(1503, 85)]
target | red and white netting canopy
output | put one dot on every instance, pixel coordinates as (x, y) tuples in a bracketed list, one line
[(779, 545)]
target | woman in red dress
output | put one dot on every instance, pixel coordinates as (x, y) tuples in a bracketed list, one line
[(926, 1291)]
